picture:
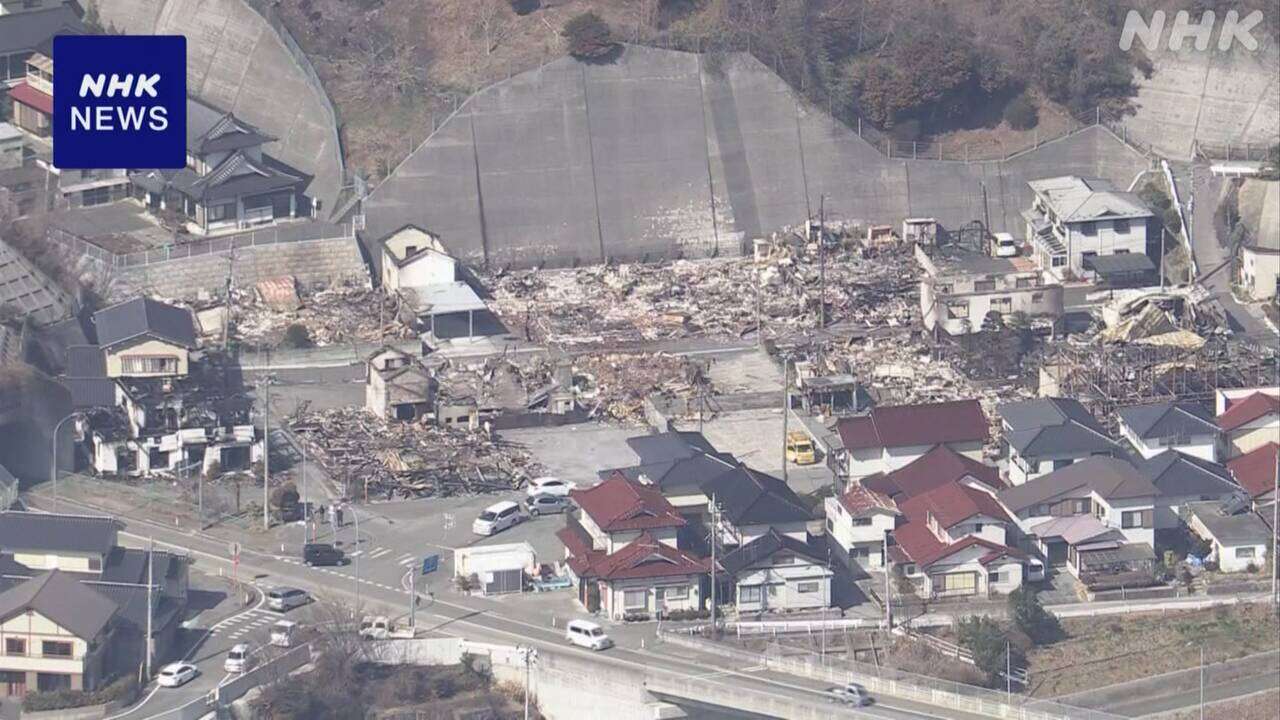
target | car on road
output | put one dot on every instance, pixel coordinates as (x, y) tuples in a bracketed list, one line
[(284, 599), (323, 554), (239, 659), (375, 628), (550, 486), (283, 633), (496, 518), (849, 694), (176, 674), (800, 449), (587, 634), (547, 505), (1004, 244)]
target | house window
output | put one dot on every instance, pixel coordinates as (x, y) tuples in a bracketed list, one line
[(784, 559), (859, 553), (15, 646), (1088, 228), (1023, 283), (773, 591), (148, 365), (1131, 519), (55, 648), (861, 522), (95, 564), (224, 211), (750, 594), (984, 286), (958, 310), (909, 569), (965, 583), (52, 682), (1058, 261), (1121, 226), (1082, 507), (635, 599), (808, 587), (1245, 552), (977, 527), (1002, 304), (993, 577), (831, 526), (676, 592), (95, 196)]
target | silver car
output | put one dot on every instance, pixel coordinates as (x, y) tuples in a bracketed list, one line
[(284, 599), (545, 504)]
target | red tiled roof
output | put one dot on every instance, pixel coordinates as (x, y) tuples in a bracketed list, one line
[(926, 424), (923, 548), (643, 557), (619, 504), (940, 466), (860, 501), (951, 504), (31, 97), (1256, 471), (1249, 409)]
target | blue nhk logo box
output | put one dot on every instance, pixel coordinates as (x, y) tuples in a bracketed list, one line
[(120, 101)]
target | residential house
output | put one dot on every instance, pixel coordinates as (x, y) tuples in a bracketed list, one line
[(777, 572), (961, 290), (143, 338), (753, 504), (229, 183), (1072, 221), (1048, 434), (1238, 537), (398, 386), (1110, 491), (27, 24), (889, 437), (57, 633), (622, 551), (1259, 263), (1256, 471), (858, 522), (413, 257), (1186, 427), (677, 463), (1249, 422), (1183, 479)]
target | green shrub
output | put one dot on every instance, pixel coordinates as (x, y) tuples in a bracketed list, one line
[(588, 36), (1172, 220), (635, 617), (1021, 113), (123, 690)]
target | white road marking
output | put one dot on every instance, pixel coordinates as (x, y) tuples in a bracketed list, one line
[(379, 552)]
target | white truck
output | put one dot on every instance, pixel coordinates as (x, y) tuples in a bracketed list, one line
[(849, 694)]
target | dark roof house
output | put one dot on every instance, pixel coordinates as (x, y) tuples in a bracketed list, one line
[(29, 30), (1177, 474), (1053, 427), (64, 600), (144, 317), (1110, 478), (915, 425), (750, 497), (1168, 419), (767, 546), (22, 531)]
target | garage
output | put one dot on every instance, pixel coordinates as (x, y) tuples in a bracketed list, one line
[(498, 569)]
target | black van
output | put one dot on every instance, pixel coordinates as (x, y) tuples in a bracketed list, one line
[(322, 554)]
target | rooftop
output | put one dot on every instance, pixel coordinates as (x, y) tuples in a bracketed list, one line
[(617, 504), (1242, 528), (64, 600), (750, 497), (1053, 426), (445, 298), (952, 504), (143, 316), (766, 546), (1177, 474), (923, 548), (1255, 471), (1077, 199), (907, 425), (1244, 411), (1168, 419), (1077, 529), (30, 531), (1110, 478), (939, 466)]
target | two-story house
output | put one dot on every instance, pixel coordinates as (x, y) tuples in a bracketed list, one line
[(858, 522), (678, 464), (413, 257), (752, 504), (1183, 479), (1048, 434), (143, 338), (1255, 472), (1249, 422), (960, 289), (1072, 221), (776, 572), (27, 24), (1154, 428), (1110, 506), (889, 437), (230, 182), (56, 633), (398, 386), (623, 552)]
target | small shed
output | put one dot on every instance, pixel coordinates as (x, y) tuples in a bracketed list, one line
[(499, 568)]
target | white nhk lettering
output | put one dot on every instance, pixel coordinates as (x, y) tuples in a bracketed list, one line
[(108, 117)]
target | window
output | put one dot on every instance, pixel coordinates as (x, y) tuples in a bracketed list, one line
[(224, 211), (773, 591), (52, 682), (95, 196), (909, 569), (831, 526), (993, 577), (1122, 252), (1121, 226), (977, 527), (944, 288), (808, 587), (1025, 282), (958, 310), (55, 648), (1089, 228), (635, 599), (965, 583), (95, 564), (1082, 507), (750, 594), (1245, 552), (1131, 519), (1058, 261), (984, 286), (1002, 304), (677, 592), (1037, 297), (15, 646), (31, 4), (859, 553), (861, 522), (145, 365)]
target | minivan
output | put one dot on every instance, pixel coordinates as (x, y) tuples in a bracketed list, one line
[(496, 518), (238, 659), (322, 554), (587, 634), (1005, 245), (284, 599)]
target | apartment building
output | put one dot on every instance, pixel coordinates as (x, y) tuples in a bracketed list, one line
[(1074, 220), (961, 291)]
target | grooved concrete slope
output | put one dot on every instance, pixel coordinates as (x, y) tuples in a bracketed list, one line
[(29, 291), (237, 61), (666, 154)]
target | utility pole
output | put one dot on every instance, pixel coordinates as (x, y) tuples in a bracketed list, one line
[(715, 533), (413, 598), (53, 458), (266, 453), (759, 325), (888, 596), (1202, 681), (150, 604), (1275, 532), (1163, 232), (786, 410), (1008, 674), (306, 509), (822, 262)]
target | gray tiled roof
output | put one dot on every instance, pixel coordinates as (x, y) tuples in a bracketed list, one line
[(1053, 426), (1242, 528), (1110, 478), (765, 547), (750, 497), (31, 531), (144, 316), (1168, 419), (1178, 475), (64, 600), (27, 30)]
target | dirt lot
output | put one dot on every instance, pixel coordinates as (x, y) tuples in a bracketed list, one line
[(1134, 646)]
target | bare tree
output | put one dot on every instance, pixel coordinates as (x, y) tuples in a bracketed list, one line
[(490, 20)]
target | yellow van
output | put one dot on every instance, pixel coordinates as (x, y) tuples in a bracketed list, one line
[(800, 449)]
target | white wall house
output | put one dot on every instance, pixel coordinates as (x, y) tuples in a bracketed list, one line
[(1048, 434), (1237, 535), (891, 437), (413, 257), (1073, 220), (1249, 422), (1186, 427), (778, 573), (959, 289), (858, 521)]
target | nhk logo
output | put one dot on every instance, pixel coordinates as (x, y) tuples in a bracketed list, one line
[(119, 101)]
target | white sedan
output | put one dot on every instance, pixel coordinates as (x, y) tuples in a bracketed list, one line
[(550, 486), (176, 674)]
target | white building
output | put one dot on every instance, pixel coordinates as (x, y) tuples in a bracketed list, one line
[(1238, 537), (858, 521), (1073, 220), (776, 572), (1186, 427), (413, 257), (960, 289), (1048, 434), (890, 437)]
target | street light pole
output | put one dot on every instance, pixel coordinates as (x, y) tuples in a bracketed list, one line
[(53, 458), (266, 456), (1202, 682), (356, 519)]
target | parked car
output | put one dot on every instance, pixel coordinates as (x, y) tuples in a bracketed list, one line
[(1005, 245), (496, 518), (296, 512), (284, 599), (800, 449), (1035, 570), (282, 633), (375, 628), (176, 674), (547, 505), (587, 634), (549, 486), (850, 694), (322, 554), (239, 659)]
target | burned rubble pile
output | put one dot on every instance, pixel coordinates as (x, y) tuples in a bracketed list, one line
[(612, 304), (377, 459), (615, 385), (262, 315)]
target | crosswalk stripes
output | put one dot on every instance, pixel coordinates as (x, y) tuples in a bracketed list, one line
[(379, 552)]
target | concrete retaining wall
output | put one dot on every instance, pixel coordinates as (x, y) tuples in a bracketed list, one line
[(88, 712), (329, 261)]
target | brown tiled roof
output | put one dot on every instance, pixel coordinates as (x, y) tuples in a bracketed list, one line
[(938, 467), (644, 557), (1249, 409), (922, 547), (1256, 471), (926, 424), (619, 504), (951, 504), (859, 501)]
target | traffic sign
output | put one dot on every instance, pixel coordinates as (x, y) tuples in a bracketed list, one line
[(430, 564)]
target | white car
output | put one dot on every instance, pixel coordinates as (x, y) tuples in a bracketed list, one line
[(550, 486), (1006, 245), (239, 659), (850, 694), (284, 599), (177, 674), (587, 634), (496, 518)]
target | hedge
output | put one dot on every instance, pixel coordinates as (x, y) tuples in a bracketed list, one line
[(123, 690)]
